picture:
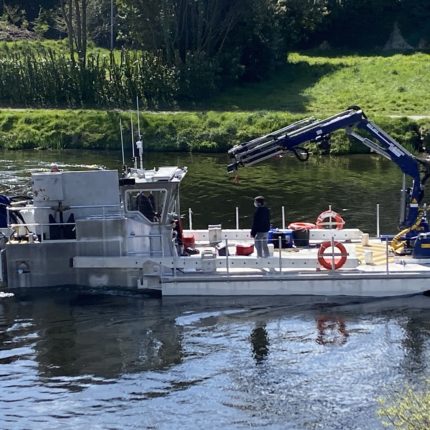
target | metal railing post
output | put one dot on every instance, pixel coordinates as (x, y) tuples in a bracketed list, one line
[(190, 219), (175, 257), (377, 221), (283, 217), (237, 218), (386, 257), (280, 254), (226, 257), (332, 253)]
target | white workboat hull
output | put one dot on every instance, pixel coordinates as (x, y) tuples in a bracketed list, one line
[(357, 285), (101, 239), (297, 272)]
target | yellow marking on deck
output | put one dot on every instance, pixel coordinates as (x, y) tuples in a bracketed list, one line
[(379, 252)]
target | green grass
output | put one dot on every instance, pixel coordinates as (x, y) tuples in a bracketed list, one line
[(57, 46), (317, 84), (385, 87), (168, 131), (93, 129)]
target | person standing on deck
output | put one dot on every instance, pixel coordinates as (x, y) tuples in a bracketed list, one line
[(261, 227)]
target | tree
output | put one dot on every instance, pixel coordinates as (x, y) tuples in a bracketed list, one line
[(241, 38), (74, 13), (175, 27), (358, 24), (414, 22), (99, 22), (258, 39), (300, 19), (31, 7)]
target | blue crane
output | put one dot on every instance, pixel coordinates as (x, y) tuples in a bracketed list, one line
[(353, 121)]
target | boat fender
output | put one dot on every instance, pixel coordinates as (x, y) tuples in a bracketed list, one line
[(330, 219), (327, 263)]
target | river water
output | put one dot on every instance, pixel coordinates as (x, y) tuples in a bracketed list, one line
[(84, 360)]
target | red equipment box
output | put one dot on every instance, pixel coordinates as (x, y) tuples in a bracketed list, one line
[(189, 241), (244, 249)]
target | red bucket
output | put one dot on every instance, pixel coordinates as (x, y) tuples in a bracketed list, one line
[(244, 249), (189, 241)]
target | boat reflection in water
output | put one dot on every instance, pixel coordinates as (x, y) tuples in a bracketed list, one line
[(93, 335), (123, 361), (260, 343), (331, 330)]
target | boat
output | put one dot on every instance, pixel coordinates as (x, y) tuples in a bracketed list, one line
[(102, 229)]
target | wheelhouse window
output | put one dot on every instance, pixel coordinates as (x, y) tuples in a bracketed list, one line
[(150, 203)]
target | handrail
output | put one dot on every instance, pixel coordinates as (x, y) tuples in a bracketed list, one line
[(20, 208)]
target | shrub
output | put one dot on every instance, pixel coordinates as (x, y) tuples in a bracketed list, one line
[(409, 410)]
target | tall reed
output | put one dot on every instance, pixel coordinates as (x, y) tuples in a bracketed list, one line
[(45, 78)]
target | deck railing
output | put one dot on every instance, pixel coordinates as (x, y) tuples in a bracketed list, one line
[(237, 218)]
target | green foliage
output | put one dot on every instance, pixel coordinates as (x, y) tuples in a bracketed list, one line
[(40, 25), (35, 76), (408, 411), (239, 39), (361, 24), (424, 131), (213, 43), (175, 131), (300, 19), (198, 76)]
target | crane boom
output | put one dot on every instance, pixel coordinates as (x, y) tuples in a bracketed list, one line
[(353, 120)]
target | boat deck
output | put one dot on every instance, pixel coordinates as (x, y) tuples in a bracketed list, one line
[(370, 270)]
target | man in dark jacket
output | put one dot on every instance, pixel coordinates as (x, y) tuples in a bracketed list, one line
[(261, 227)]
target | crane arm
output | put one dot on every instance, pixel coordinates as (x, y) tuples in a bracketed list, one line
[(352, 120)]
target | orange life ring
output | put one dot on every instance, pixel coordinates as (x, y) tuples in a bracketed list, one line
[(334, 219), (301, 226), (338, 262), (331, 330)]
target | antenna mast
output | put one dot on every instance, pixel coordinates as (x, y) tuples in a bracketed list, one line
[(139, 143), (132, 141), (122, 143)]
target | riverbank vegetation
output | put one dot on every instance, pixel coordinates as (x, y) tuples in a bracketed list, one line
[(311, 84), (226, 70), (409, 410), (172, 131)]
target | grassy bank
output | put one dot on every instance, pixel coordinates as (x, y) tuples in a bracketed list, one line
[(321, 83), (169, 131), (317, 84)]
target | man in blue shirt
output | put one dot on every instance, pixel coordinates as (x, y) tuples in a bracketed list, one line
[(261, 227)]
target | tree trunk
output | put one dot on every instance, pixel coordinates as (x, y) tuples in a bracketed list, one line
[(75, 16), (67, 11)]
